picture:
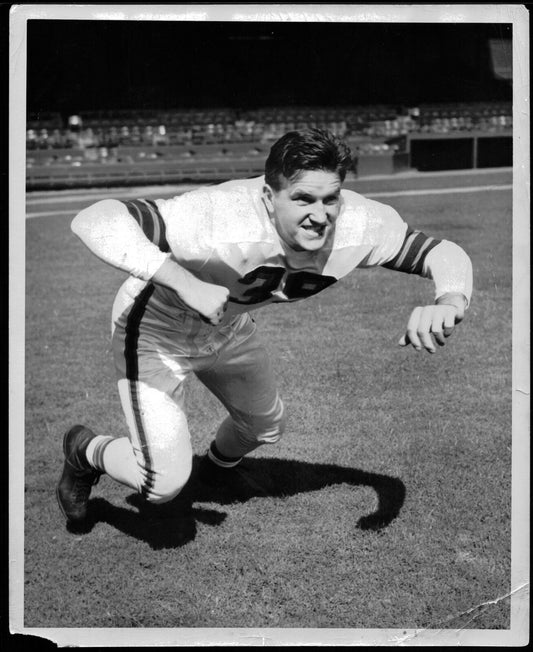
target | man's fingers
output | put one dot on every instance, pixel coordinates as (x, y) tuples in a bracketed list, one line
[(213, 304), (209, 320), (424, 329), (427, 342), (449, 323), (218, 316), (455, 300), (428, 326), (214, 319), (412, 327), (437, 326)]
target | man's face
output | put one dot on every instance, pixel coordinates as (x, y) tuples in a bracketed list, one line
[(304, 210)]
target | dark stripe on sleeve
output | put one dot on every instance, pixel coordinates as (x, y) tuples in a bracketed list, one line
[(412, 251), (135, 211), (394, 261), (148, 217), (410, 259), (163, 243), (419, 265)]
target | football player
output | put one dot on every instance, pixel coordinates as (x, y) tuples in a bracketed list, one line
[(198, 264)]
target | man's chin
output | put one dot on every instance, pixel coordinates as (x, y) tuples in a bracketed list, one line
[(311, 245)]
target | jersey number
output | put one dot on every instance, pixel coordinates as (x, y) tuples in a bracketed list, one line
[(264, 280)]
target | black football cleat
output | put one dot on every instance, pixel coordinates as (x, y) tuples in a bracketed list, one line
[(230, 484), (78, 477), (211, 474)]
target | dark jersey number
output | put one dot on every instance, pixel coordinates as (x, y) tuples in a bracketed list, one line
[(264, 280), (304, 284)]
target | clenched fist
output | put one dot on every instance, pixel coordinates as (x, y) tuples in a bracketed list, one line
[(207, 299)]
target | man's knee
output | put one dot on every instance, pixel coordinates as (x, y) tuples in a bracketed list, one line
[(268, 429), (273, 433), (161, 486)]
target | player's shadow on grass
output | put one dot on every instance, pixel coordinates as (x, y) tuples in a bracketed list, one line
[(174, 524)]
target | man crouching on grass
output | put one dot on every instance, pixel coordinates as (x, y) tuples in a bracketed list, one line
[(198, 264)]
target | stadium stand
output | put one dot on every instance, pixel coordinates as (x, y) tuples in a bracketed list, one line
[(173, 145)]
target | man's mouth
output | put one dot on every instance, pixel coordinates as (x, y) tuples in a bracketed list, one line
[(315, 229)]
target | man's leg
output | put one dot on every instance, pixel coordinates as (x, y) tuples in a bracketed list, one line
[(156, 459), (243, 380)]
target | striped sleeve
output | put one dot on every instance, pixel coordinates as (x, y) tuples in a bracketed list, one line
[(412, 254), (148, 217)]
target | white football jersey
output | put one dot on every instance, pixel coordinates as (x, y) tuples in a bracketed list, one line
[(223, 235)]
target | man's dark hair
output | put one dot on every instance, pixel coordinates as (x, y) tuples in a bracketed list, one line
[(310, 149)]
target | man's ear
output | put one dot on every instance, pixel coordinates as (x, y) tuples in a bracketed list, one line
[(268, 195)]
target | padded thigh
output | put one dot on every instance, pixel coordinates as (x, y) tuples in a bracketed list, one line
[(160, 439)]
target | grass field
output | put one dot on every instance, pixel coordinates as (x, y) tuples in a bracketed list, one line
[(377, 435)]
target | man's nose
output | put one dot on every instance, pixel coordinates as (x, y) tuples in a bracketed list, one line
[(318, 213)]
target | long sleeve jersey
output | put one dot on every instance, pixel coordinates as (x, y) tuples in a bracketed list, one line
[(223, 234)]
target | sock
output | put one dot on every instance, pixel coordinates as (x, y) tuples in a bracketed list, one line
[(95, 451), (221, 460)]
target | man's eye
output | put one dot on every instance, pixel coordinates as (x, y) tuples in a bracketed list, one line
[(331, 200)]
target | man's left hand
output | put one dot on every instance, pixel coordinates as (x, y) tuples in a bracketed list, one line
[(434, 324)]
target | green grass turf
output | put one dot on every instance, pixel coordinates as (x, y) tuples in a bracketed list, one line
[(377, 435)]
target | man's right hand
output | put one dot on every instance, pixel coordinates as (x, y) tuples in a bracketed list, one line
[(207, 299)]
